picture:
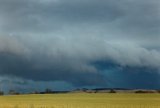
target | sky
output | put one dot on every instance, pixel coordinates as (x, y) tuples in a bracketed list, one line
[(68, 44)]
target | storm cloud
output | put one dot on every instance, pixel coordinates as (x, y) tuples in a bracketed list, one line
[(82, 42)]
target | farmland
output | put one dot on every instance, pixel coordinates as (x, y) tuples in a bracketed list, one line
[(81, 100)]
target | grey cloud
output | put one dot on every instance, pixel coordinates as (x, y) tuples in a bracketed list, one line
[(74, 62), (62, 40), (11, 45), (126, 16)]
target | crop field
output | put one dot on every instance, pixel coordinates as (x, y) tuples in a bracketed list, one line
[(81, 100)]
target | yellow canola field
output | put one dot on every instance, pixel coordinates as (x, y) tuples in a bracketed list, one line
[(82, 100)]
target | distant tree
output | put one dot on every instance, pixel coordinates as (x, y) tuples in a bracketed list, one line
[(158, 91), (96, 91), (1, 93), (112, 91), (13, 92), (48, 90), (144, 91)]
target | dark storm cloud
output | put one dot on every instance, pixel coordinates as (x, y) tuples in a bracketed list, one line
[(48, 71), (77, 40), (133, 78)]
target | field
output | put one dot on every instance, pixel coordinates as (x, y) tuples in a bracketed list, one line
[(81, 100)]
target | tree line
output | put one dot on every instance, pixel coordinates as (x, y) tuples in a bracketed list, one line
[(49, 91)]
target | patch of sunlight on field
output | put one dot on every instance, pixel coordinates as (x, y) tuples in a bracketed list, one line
[(81, 100)]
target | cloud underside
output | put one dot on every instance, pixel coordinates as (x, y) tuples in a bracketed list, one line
[(81, 43)]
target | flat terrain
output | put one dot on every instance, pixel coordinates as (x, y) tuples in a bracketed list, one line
[(81, 100)]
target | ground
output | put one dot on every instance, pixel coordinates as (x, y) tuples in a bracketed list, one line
[(82, 100)]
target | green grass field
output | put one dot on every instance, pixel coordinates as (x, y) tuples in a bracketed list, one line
[(81, 100)]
